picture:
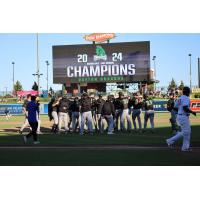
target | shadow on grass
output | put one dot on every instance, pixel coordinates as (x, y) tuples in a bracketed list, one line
[(9, 137)]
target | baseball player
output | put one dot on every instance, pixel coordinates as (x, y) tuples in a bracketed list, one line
[(93, 107), (53, 113), (99, 104), (39, 120), (183, 107), (107, 114), (125, 115), (75, 108), (136, 104), (71, 100), (63, 115), (86, 114), (118, 103), (26, 123), (149, 112), (173, 112), (7, 113)]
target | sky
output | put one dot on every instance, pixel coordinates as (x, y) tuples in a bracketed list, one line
[(171, 51)]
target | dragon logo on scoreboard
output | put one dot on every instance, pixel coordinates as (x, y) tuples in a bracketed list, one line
[(100, 54)]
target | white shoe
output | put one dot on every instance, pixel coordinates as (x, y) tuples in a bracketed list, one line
[(168, 143), (110, 133), (36, 142), (25, 139), (186, 150), (39, 132)]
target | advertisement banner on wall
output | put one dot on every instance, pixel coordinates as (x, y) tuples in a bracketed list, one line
[(159, 106), (16, 109)]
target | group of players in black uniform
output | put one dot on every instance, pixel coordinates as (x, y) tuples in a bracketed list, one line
[(88, 113)]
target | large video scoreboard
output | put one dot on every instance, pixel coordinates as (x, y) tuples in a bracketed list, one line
[(111, 62)]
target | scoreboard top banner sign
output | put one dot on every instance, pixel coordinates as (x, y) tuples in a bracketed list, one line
[(111, 62), (99, 37)]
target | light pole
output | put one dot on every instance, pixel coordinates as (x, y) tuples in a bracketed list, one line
[(6, 90), (13, 63), (190, 71), (47, 75), (199, 72), (38, 66), (154, 64)]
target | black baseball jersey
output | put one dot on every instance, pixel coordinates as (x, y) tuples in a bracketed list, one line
[(99, 105), (108, 108), (86, 104), (118, 103), (64, 105)]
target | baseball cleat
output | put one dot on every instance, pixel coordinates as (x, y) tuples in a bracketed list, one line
[(168, 143), (24, 139), (36, 142), (186, 150)]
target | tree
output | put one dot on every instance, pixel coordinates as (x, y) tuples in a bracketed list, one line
[(35, 86), (172, 85), (181, 86), (17, 86)]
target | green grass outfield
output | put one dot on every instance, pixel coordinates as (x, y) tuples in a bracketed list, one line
[(119, 149)]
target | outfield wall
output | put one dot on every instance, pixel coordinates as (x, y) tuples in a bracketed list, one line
[(16, 109), (159, 106)]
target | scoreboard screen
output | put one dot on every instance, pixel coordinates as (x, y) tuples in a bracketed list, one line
[(111, 62)]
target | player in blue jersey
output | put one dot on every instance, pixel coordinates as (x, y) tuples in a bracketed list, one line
[(33, 113)]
